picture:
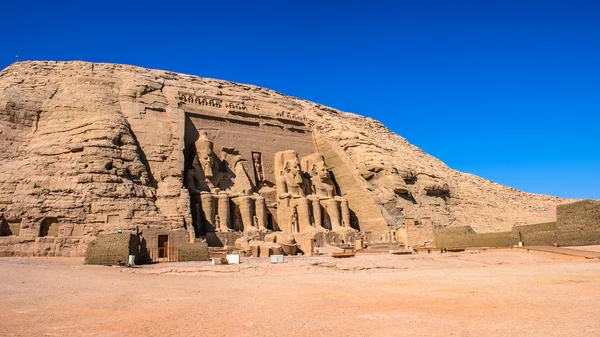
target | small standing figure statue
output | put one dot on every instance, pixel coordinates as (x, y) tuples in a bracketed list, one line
[(255, 221), (256, 159), (295, 226), (217, 222)]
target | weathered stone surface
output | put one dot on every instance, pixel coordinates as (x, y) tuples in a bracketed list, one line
[(197, 251), (242, 244), (286, 241), (269, 248), (577, 224), (112, 249), (101, 147)]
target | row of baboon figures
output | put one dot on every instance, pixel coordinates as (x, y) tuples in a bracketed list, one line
[(304, 200), (210, 102), (231, 105)]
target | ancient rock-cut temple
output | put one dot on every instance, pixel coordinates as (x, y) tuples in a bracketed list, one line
[(89, 149), (254, 172)]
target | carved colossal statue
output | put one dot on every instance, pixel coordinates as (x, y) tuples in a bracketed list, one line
[(193, 187), (324, 189), (205, 165), (212, 188), (321, 184), (289, 177), (200, 181), (291, 193), (307, 199)]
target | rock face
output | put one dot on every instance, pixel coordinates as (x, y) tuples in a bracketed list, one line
[(91, 148)]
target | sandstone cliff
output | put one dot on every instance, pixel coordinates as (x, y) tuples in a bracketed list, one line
[(100, 146)]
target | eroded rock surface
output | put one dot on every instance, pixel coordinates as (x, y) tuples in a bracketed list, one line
[(98, 147)]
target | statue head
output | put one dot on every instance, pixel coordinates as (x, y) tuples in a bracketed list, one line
[(320, 171), (314, 165), (256, 158), (292, 171), (204, 152)]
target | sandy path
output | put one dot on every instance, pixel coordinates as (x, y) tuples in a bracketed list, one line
[(487, 294)]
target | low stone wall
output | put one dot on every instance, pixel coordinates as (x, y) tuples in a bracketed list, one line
[(465, 236), (499, 239), (197, 251), (543, 234), (112, 249), (454, 237), (577, 224)]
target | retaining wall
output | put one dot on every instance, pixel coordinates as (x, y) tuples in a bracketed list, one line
[(577, 224)]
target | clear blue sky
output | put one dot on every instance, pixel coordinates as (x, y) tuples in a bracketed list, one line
[(508, 90)]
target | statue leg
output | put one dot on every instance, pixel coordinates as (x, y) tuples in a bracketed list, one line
[(223, 210), (284, 215), (345, 214), (317, 213), (260, 207), (246, 212), (333, 210), (208, 208), (304, 215)]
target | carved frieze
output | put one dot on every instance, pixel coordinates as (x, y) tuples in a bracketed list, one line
[(212, 102), (206, 101), (289, 115), (236, 106)]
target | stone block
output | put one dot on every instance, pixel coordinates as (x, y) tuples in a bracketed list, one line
[(276, 258), (197, 251), (233, 258), (112, 249)]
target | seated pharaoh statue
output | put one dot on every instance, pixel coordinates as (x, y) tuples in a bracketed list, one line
[(202, 181), (324, 194), (293, 208), (214, 182), (205, 173), (289, 181)]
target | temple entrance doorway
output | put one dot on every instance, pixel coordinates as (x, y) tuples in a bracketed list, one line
[(163, 246)]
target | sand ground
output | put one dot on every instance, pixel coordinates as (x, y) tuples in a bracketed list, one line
[(500, 293)]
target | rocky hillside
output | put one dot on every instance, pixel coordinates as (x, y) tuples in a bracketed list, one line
[(74, 146)]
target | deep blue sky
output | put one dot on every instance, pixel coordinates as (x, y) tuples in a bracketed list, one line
[(508, 90)]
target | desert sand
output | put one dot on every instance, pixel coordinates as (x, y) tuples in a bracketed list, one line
[(493, 293)]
